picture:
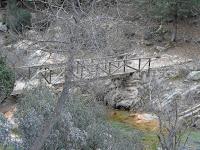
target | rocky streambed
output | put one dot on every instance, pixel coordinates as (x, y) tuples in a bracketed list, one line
[(141, 121), (147, 125)]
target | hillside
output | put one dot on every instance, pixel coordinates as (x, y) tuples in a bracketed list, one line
[(100, 74)]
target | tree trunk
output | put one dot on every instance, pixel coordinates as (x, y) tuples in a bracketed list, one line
[(174, 32), (175, 23), (46, 129)]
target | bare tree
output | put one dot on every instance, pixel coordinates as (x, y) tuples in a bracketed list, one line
[(67, 40), (173, 130)]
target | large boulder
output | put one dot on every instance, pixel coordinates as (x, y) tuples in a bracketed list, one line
[(3, 27), (147, 35), (114, 96), (194, 76), (122, 98)]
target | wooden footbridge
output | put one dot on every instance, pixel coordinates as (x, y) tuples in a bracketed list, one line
[(87, 69), (90, 69)]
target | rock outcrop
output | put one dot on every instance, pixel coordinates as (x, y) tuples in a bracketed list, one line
[(194, 76), (171, 98), (192, 95), (126, 104), (124, 95), (3, 27)]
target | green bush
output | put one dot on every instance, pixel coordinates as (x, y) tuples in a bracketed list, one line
[(6, 79)]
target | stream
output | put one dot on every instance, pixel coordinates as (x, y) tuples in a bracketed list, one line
[(147, 126)]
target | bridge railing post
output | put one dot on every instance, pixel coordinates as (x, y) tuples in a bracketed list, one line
[(50, 72), (149, 66), (109, 67), (118, 64), (97, 67), (81, 71), (77, 67), (124, 65), (105, 66), (29, 73), (139, 66), (45, 73)]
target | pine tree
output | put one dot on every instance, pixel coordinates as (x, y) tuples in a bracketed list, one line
[(171, 10), (17, 18), (174, 10)]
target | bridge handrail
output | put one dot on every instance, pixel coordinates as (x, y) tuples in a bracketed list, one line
[(107, 57), (79, 60), (62, 64)]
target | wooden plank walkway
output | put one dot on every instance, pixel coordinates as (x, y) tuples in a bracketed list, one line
[(89, 69)]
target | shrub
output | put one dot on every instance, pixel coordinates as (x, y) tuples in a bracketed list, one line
[(6, 79), (82, 124), (4, 130)]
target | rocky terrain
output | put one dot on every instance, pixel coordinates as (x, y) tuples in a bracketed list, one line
[(171, 86)]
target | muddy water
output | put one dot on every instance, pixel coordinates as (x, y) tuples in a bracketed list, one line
[(146, 125)]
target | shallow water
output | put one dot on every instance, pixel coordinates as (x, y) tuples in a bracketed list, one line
[(126, 122), (140, 121)]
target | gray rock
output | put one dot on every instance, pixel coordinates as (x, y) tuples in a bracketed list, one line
[(192, 95), (149, 117), (194, 75), (129, 35), (160, 48), (171, 98), (121, 98), (147, 35), (3, 27), (126, 104), (187, 39), (132, 92), (197, 124), (113, 97), (198, 40), (148, 43), (118, 83)]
